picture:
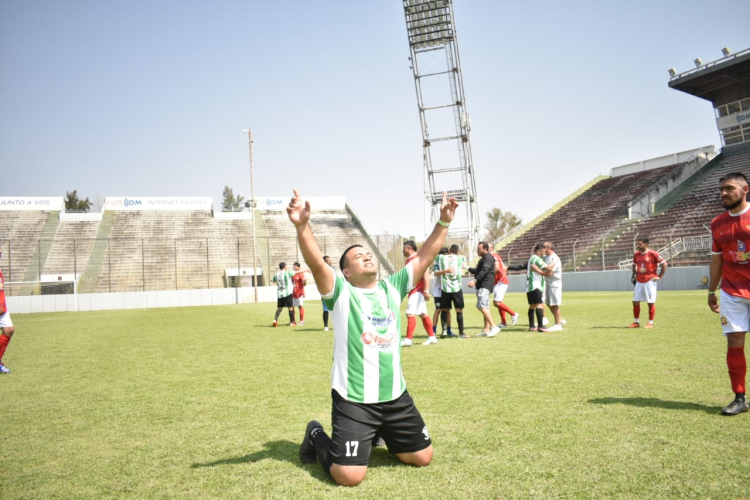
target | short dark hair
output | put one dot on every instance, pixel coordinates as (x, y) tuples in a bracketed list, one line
[(343, 255), (644, 239), (296, 264), (326, 257), (454, 249), (484, 245), (538, 247), (734, 176), (443, 251), (411, 244), (282, 265)]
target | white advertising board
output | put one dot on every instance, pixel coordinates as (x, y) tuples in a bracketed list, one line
[(145, 203), (31, 203), (317, 203)]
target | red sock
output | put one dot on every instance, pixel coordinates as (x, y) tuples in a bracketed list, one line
[(301, 313), (3, 345), (427, 323), (637, 311), (507, 309), (651, 311), (411, 325), (737, 368), (502, 314)]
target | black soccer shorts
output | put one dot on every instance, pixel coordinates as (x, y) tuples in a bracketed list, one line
[(456, 299), (535, 297), (287, 301), (398, 422)]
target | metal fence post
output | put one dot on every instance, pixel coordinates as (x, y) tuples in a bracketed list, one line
[(39, 257), (175, 264), (75, 262)]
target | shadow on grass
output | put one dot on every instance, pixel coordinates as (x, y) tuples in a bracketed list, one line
[(287, 451), (657, 403)]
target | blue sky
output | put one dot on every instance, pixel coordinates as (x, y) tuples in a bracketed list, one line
[(150, 98)]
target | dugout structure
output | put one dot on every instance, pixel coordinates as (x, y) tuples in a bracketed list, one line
[(725, 83), (443, 115)]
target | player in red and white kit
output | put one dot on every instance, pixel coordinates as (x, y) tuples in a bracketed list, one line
[(501, 286), (6, 325), (417, 302), (730, 265), (645, 264), (298, 291)]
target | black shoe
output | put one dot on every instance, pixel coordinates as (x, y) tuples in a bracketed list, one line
[(739, 405), (307, 450), (452, 335), (443, 334)]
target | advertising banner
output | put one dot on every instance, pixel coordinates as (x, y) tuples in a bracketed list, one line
[(31, 203), (147, 203)]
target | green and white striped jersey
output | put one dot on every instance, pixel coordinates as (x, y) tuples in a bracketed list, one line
[(367, 338), (283, 280), (451, 282), (535, 281)]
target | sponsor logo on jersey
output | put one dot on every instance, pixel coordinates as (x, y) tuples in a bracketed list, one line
[(377, 341), (741, 256)]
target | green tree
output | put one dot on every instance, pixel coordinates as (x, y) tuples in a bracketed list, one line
[(230, 202), (498, 223), (74, 204)]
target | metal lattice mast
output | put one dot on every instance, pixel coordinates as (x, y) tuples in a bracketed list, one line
[(448, 165)]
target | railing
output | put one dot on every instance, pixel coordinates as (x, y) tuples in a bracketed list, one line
[(667, 252), (693, 243), (509, 233), (149, 264)]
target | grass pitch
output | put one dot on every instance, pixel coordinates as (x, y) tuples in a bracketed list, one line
[(213, 402)]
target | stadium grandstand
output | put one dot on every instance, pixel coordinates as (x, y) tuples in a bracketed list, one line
[(152, 244)]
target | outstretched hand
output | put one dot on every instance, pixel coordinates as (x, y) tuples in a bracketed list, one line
[(298, 210), (448, 208)]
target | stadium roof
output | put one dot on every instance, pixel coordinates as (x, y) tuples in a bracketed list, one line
[(710, 78)]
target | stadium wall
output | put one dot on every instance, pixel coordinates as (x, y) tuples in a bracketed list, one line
[(677, 278)]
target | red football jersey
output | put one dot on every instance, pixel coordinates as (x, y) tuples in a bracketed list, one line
[(731, 239), (298, 280), (3, 307), (500, 275), (646, 264), (420, 285)]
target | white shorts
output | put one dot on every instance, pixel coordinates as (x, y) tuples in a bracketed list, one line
[(5, 321), (298, 302), (645, 292), (499, 292), (435, 289), (553, 293), (734, 313), (417, 305)]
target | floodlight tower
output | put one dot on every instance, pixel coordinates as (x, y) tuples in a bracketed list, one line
[(446, 147)]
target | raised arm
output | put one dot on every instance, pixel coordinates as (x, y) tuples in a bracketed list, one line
[(430, 248), (299, 214)]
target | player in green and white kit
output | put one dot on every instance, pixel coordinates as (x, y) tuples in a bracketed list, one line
[(535, 286), (450, 269), (283, 280), (368, 389)]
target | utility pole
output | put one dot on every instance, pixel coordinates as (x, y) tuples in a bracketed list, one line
[(252, 211)]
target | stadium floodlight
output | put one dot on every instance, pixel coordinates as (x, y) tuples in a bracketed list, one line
[(726, 51), (698, 62), (672, 71)]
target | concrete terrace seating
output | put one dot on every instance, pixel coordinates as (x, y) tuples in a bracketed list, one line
[(586, 219), (24, 230), (690, 216), (334, 230), (70, 249), (168, 250)]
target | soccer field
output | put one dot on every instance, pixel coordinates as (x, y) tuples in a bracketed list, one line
[(213, 402)]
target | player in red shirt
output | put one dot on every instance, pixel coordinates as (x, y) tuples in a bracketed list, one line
[(417, 302), (501, 286), (6, 325), (730, 265), (298, 291), (645, 264)]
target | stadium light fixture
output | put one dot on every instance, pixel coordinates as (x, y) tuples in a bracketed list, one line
[(726, 51), (672, 72), (698, 62)]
